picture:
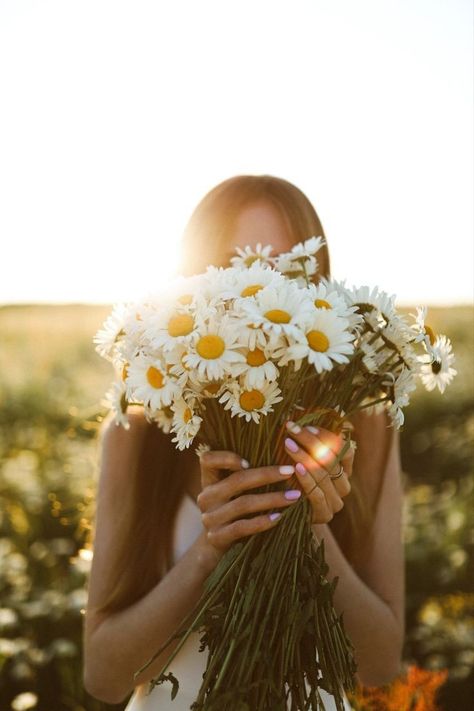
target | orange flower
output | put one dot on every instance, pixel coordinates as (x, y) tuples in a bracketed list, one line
[(415, 691)]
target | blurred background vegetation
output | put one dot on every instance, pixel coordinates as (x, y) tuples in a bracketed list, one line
[(51, 385)]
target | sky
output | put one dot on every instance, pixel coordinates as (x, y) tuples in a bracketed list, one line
[(116, 118)]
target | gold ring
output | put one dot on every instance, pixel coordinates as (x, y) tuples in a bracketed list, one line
[(339, 473)]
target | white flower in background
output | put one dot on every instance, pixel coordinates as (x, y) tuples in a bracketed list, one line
[(308, 248), (402, 387), (186, 422), (437, 370), (258, 368), (245, 283), (247, 256), (149, 382), (24, 701), (325, 340), (213, 352), (112, 329), (252, 403), (278, 310), (116, 400)]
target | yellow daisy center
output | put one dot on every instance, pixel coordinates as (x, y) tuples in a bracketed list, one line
[(278, 316), (430, 333), (256, 358), (252, 400), (125, 371), (187, 414), (322, 304), (154, 377), (185, 299), (180, 325), (251, 289), (210, 347), (318, 341)]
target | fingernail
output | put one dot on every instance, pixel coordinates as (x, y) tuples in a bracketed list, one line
[(313, 430), (287, 469), (296, 429), (244, 464), (292, 494), (291, 445), (301, 469), (275, 515)]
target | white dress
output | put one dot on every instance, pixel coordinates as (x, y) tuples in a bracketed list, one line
[(189, 664)]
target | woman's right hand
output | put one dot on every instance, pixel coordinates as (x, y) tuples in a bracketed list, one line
[(223, 503)]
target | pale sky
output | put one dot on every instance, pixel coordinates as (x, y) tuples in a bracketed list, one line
[(117, 117)]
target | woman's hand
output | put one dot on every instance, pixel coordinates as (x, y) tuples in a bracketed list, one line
[(314, 449), (223, 503)]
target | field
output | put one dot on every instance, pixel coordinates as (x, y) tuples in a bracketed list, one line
[(51, 386)]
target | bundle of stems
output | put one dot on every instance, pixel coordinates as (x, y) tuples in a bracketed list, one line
[(266, 613)]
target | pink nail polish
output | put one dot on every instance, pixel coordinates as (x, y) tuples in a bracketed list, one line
[(291, 445), (300, 469), (292, 494), (313, 430), (274, 516)]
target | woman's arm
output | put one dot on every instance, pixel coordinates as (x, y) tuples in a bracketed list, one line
[(118, 644), (373, 598)]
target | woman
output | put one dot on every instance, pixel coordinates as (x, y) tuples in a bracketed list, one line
[(164, 518)]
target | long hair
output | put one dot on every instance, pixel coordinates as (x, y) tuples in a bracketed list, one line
[(143, 554)]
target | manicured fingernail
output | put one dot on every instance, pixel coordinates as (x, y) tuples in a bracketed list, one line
[(287, 469), (296, 429), (274, 516), (313, 430), (301, 469), (292, 494), (291, 445), (244, 464)]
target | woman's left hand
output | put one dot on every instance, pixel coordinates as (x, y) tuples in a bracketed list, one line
[(315, 451)]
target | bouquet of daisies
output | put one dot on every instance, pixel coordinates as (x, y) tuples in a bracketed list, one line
[(221, 360)]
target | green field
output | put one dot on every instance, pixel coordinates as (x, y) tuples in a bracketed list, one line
[(51, 386)]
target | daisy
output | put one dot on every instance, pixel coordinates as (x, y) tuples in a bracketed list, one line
[(186, 422), (325, 340), (213, 351), (149, 382), (277, 310), (116, 400), (398, 335), (400, 395), (437, 370), (170, 326), (245, 283), (112, 329), (247, 256), (163, 417), (425, 333), (259, 368), (325, 296), (368, 299), (251, 403)]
